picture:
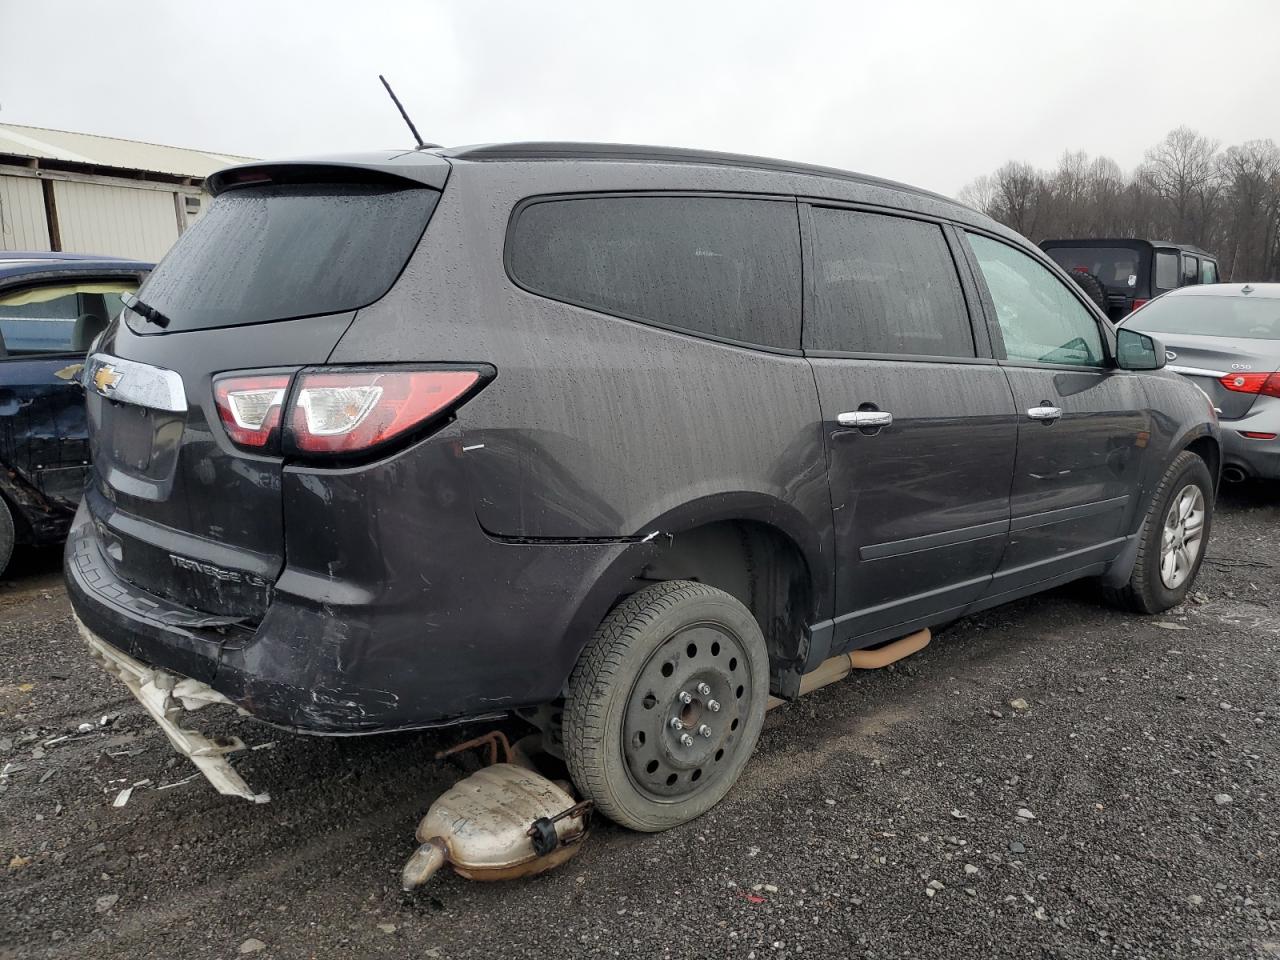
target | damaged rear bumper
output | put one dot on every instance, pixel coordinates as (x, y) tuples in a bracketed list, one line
[(167, 697), (424, 644)]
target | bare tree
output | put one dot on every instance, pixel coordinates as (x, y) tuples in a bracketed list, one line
[(1106, 197), (1019, 188), (1185, 190), (980, 193), (1070, 190), (1182, 171), (1250, 174)]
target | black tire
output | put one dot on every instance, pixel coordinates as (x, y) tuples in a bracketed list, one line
[(8, 535), (1147, 590), (1092, 287), (621, 747)]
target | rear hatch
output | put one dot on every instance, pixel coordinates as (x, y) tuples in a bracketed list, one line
[(267, 280), (1123, 270), (1224, 368), (1226, 341)]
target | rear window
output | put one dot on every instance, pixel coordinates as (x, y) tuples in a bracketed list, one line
[(286, 251), (885, 285), (718, 266), (1118, 268), (1245, 317)]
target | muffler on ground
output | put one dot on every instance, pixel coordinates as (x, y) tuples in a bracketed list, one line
[(502, 822)]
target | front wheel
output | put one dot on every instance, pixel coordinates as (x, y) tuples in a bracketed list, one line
[(1174, 536), (666, 704)]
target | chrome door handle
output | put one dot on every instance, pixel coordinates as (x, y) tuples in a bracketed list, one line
[(1045, 413), (865, 418)]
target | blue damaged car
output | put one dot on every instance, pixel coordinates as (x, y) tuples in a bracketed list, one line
[(52, 306)]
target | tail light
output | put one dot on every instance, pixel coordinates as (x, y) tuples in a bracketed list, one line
[(350, 412), (1259, 384), (335, 411), (1138, 304), (249, 408)]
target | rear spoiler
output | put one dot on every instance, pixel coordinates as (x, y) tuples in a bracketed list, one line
[(405, 169)]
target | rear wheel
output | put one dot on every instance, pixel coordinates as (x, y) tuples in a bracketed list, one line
[(1174, 536), (666, 704), (8, 535)]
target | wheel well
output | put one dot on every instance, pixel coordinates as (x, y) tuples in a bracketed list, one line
[(760, 566), (1206, 448)]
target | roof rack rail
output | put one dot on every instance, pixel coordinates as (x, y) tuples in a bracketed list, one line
[(555, 150)]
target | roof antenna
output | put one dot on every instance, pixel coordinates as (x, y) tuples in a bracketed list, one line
[(422, 145)]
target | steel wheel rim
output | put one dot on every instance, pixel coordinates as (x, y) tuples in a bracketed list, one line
[(708, 663), (1182, 536)]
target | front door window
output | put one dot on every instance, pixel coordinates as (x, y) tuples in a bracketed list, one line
[(1040, 319)]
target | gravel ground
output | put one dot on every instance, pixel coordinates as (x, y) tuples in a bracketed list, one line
[(880, 817)]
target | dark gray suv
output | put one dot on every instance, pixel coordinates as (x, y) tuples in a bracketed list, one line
[(624, 438)]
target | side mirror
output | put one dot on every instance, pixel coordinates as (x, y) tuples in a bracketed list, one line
[(1138, 351)]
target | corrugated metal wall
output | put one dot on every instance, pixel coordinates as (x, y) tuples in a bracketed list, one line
[(22, 221), (118, 221)]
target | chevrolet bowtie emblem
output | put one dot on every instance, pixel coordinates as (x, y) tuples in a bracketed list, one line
[(107, 378)]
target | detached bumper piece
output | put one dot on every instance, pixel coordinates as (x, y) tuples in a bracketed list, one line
[(166, 697)]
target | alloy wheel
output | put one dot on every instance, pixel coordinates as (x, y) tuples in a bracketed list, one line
[(1182, 537)]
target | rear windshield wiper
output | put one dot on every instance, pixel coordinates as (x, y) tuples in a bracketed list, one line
[(143, 310)]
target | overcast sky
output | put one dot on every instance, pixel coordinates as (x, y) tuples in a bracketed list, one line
[(929, 93)]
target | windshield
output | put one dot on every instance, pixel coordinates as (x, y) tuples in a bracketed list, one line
[(1116, 267), (1248, 317), (283, 251)]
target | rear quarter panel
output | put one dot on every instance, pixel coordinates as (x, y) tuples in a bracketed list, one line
[(1180, 415), (595, 427)]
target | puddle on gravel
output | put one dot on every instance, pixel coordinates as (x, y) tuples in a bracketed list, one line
[(1257, 616)]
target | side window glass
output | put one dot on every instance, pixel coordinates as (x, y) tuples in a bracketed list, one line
[(1040, 319), (1166, 271), (58, 318), (887, 285), (1190, 269), (720, 266), (1208, 271)]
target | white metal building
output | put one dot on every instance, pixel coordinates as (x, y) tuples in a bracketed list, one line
[(88, 194)]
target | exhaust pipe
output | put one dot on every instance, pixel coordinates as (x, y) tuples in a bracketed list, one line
[(1234, 474), (839, 667)]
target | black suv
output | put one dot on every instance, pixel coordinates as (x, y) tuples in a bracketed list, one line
[(1122, 274), (626, 436)]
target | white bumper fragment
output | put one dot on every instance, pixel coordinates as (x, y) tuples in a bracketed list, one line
[(166, 697)]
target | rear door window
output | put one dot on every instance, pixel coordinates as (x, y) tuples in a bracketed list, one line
[(1040, 320), (278, 252), (723, 267), (885, 285), (1190, 269), (53, 318)]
